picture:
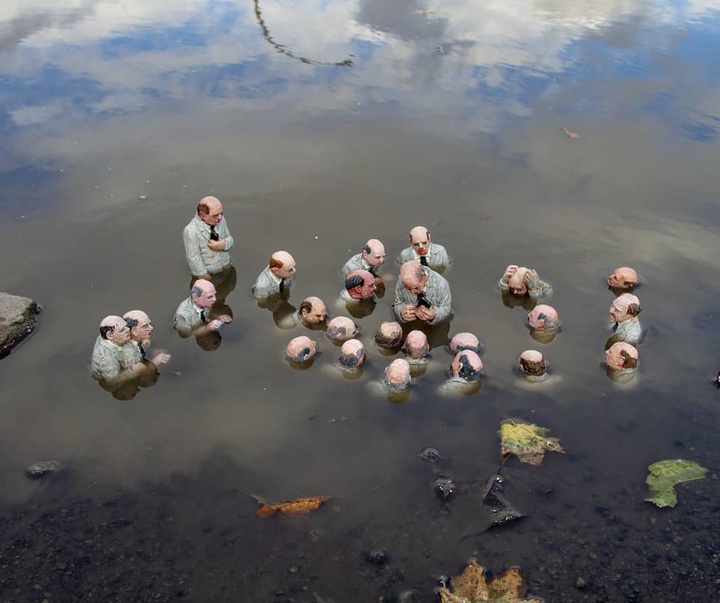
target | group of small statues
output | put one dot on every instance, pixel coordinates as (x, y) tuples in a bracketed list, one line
[(122, 361)]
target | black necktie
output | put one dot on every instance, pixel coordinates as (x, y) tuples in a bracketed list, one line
[(203, 316), (423, 260), (214, 235), (282, 285), (142, 350)]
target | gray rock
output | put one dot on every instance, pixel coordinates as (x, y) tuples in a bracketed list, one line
[(18, 316), (43, 468)]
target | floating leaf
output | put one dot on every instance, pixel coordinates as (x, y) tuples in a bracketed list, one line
[(472, 587), (664, 475), (526, 441), (301, 506)]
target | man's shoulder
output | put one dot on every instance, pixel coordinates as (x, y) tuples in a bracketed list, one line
[(184, 306), (437, 248)]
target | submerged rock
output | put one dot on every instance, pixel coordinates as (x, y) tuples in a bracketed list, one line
[(18, 316), (43, 468)]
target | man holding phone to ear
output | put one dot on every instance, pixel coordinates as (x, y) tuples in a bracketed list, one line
[(422, 294)]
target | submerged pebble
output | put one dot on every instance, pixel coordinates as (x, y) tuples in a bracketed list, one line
[(42, 468), (430, 455)]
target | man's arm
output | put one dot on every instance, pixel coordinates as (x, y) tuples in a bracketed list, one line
[(192, 251), (442, 303), (225, 234), (442, 258)]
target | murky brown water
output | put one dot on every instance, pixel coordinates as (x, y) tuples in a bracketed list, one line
[(449, 116)]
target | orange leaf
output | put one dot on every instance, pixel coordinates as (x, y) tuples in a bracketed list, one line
[(301, 506)]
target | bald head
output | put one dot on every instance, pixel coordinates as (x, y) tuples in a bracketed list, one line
[(301, 349), (465, 341), (625, 307), (413, 276), (397, 375), (210, 210), (623, 277), (113, 328), (352, 354), (467, 366), (532, 362), (543, 318), (360, 284), (373, 252), (416, 345), (341, 328), (312, 311), (420, 239), (282, 264), (621, 356), (389, 334), (203, 293)]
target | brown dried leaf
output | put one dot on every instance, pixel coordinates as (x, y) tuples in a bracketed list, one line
[(471, 587), (301, 506)]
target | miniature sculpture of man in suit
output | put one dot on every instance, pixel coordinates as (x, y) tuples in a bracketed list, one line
[(192, 316), (277, 277), (421, 294), (207, 240), (107, 355), (624, 312), (138, 348)]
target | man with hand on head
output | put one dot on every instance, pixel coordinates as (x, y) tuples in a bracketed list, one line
[(421, 294), (192, 316), (207, 240), (277, 277), (424, 250)]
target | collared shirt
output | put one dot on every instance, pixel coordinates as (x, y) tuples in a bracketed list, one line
[(200, 257), (106, 359), (628, 331), (437, 292), (436, 256), (268, 284), (130, 354), (188, 318), (357, 262)]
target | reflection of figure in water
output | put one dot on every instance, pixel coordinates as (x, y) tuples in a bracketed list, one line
[(352, 356), (340, 329), (466, 371), (423, 250), (301, 350), (137, 349), (313, 313), (389, 336), (192, 316), (207, 240), (421, 294), (465, 341), (108, 353), (621, 361), (623, 278), (624, 312), (519, 280), (543, 322), (277, 276)]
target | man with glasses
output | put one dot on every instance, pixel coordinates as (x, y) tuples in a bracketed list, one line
[(137, 349)]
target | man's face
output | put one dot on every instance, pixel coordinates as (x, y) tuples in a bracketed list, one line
[(316, 314), (287, 270), (376, 256), (213, 215), (367, 288), (206, 299), (517, 282), (623, 278), (143, 330), (416, 285), (618, 312), (420, 242), (121, 333)]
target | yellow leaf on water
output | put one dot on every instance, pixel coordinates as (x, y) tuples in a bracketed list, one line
[(472, 587), (526, 441)]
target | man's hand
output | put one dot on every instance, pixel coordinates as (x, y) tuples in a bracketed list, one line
[(409, 313), (218, 245), (138, 367), (160, 358), (426, 314)]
